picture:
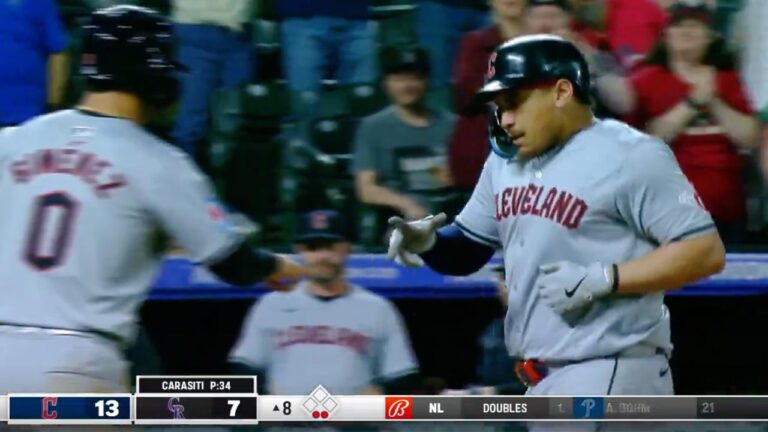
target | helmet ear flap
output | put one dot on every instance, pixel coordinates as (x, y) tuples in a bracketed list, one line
[(498, 137)]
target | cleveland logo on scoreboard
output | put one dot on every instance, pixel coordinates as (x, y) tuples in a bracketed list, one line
[(399, 408)]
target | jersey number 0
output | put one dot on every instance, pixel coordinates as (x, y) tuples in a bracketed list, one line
[(50, 230)]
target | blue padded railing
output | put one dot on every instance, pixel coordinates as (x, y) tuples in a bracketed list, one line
[(745, 274)]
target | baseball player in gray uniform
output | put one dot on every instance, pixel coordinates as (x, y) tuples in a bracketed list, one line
[(595, 221), (84, 191), (326, 331)]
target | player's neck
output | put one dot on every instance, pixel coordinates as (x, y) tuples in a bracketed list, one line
[(114, 104), (579, 119), (333, 288)]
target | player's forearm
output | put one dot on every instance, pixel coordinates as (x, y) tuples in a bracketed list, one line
[(742, 129), (57, 77), (245, 266), (668, 125), (673, 265), (456, 254)]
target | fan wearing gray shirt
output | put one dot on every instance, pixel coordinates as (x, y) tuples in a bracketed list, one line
[(400, 152)]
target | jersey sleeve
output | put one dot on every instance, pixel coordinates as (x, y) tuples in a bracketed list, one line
[(396, 355), (182, 200), (252, 347), (477, 219), (656, 198)]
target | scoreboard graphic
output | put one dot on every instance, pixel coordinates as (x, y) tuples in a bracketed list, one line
[(233, 400)]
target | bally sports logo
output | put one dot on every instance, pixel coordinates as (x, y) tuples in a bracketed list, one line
[(399, 408)]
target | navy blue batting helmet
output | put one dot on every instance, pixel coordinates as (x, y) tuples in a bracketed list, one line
[(131, 48), (528, 60)]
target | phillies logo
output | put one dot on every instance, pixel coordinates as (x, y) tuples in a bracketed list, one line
[(49, 408), (399, 408), (491, 66)]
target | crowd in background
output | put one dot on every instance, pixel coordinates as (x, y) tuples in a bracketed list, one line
[(366, 105)]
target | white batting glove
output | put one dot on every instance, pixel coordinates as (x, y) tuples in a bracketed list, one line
[(409, 239), (566, 286)]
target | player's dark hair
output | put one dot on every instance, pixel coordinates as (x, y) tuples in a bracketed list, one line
[(97, 86)]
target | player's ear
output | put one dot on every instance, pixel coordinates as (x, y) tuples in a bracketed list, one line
[(563, 92)]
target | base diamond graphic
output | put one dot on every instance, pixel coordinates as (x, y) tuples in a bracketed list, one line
[(310, 404), (320, 404)]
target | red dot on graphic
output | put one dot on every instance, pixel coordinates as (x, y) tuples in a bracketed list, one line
[(315, 414), (324, 414)]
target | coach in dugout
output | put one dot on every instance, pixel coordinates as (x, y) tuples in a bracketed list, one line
[(326, 331)]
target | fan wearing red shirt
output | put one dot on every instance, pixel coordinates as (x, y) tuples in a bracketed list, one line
[(468, 147), (689, 95)]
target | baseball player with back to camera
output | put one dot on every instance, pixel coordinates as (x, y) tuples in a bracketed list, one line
[(84, 190), (595, 220)]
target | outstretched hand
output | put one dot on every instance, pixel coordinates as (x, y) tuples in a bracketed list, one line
[(409, 239)]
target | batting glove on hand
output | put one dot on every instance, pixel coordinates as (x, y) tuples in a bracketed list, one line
[(408, 239), (566, 286)]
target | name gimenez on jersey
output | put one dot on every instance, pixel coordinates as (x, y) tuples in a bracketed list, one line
[(558, 206), (95, 172)]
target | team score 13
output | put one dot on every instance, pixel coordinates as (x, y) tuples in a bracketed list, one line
[(108, 408), (50, 230)]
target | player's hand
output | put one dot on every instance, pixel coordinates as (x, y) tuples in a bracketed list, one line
[(408, 239), (287, 274), (566, 286)]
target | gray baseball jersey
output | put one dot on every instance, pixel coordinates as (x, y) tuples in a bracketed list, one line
[(83, 197), (610, 194), (345, 343)]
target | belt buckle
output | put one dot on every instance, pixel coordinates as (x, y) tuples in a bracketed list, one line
[(531, 372)]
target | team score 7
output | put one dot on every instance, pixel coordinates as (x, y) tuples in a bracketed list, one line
[(231, 408), (233, 404), (50, 230)]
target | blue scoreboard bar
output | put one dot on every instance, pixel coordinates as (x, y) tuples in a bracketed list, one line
[(81, 409)]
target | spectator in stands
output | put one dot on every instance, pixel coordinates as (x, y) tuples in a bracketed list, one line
[(468, 146), (400, 152), (215, 44), (322, 35), (496, 369), (324, 39), (751, 39), (634, 26), (556, 17), (440, 27), (33, 72), (689, 94), (591, 13), (326, 331)]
